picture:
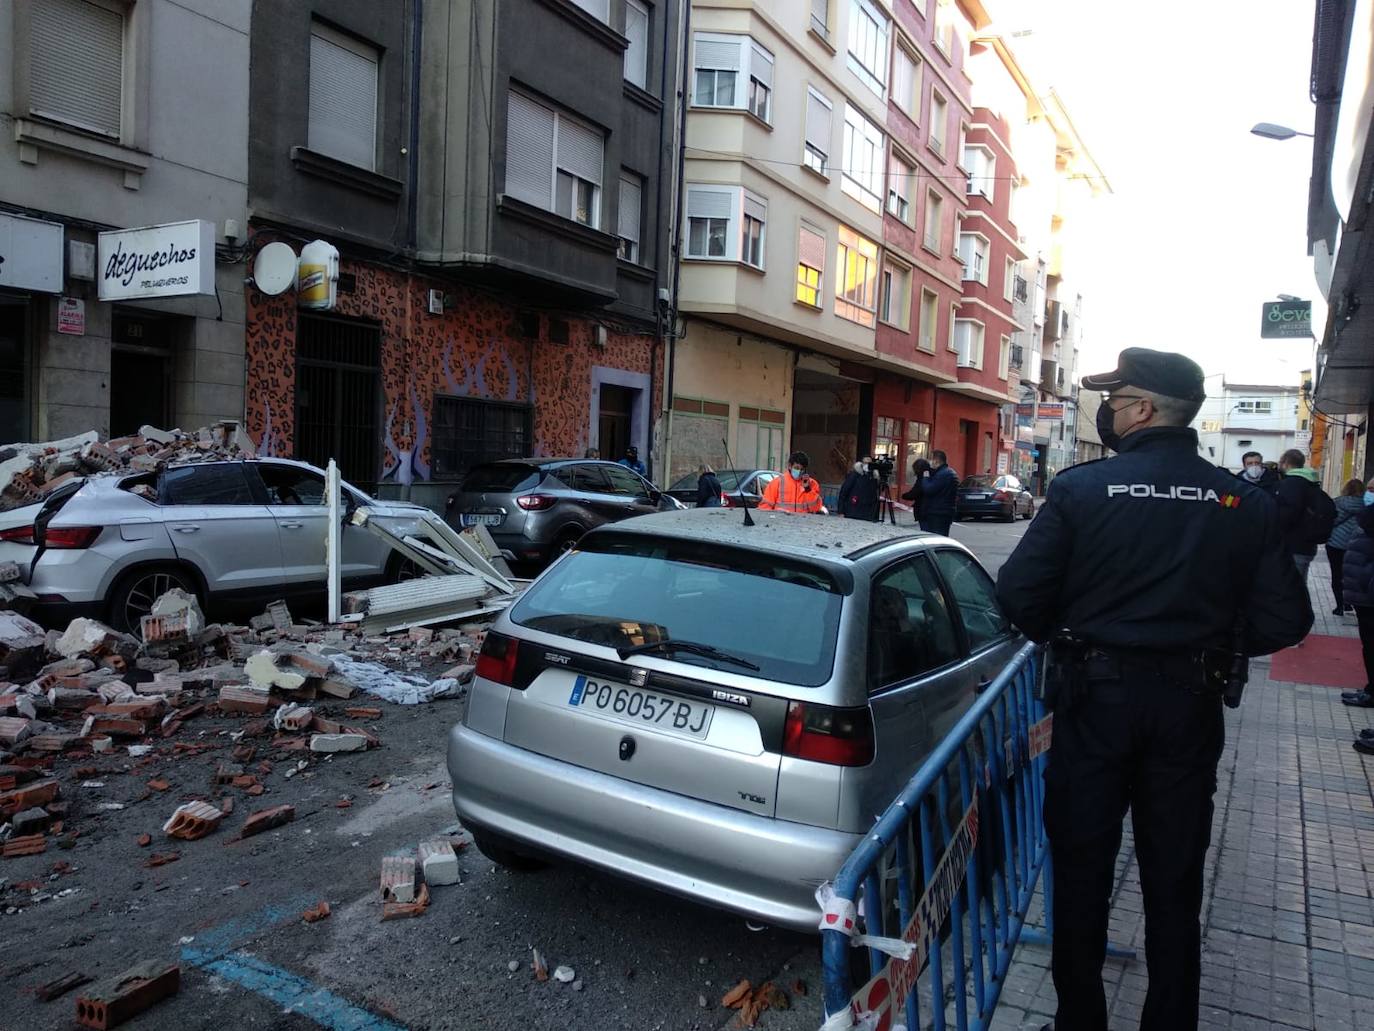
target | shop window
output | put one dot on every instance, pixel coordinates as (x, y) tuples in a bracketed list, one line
[(468, 432)]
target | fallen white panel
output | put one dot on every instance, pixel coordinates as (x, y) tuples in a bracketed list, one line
[(426, 592)]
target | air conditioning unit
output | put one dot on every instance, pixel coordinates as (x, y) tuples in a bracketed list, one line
[(601, 336)]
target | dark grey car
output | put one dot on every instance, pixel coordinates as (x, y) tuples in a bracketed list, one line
[(538, 508)]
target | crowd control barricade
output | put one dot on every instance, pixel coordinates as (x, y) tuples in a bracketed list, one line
[(938, 891)]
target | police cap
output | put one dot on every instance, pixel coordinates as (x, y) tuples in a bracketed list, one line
[(1160, 372)]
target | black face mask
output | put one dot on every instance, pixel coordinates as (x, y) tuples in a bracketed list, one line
[(1106, 427)]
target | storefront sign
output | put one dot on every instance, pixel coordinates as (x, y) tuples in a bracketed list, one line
[(1025, 411), (1051, 411), (1286, 319), (1025, 445), (30, 254), (71, 316), (174, 260)]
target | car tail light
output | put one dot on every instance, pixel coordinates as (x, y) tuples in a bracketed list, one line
[(497, 659), (1002, 495), (841, 737), (18, 535), (725, 501), (535, 502), (70, 537)]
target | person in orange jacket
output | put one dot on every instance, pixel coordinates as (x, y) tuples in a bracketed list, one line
[(795, 491)]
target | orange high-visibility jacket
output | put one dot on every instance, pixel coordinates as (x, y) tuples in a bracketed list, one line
[(784, 494)]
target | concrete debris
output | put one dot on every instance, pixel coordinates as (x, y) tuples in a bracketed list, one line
[(116, 1000), (293, 717), (262, 670), (338, 742), (61, 986), (439, 862), (564, 975)]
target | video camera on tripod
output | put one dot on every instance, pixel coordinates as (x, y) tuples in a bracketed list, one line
[(881, 467)]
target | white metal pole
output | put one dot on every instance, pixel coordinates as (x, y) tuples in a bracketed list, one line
[(333, 561)]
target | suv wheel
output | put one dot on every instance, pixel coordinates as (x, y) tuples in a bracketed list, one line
[(566, 541), (400, 569), (504, 852), (133, 596)]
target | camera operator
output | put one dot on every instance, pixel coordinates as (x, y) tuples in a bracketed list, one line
[(859, 493)]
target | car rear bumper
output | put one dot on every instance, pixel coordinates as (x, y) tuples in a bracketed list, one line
[(985, 508), (763, 868)]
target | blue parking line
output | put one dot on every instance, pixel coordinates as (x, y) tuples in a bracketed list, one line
[(213, 952)]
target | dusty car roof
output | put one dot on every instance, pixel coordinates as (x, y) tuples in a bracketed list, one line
[(824, 537)]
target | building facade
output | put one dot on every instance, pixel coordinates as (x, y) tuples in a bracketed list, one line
[(1248, 417), (122, 117)]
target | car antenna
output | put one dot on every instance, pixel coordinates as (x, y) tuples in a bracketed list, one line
[(748, 519)]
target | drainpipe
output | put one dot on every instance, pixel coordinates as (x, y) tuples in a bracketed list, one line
[(678, 207), (413, 176), (658, 249)]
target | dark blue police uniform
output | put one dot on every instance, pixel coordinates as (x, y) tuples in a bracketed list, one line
[(1152, 562)]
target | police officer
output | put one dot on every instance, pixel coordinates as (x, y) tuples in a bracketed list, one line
[(1146, 572)]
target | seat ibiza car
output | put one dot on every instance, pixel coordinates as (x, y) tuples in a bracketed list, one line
[(235, 533), (721, 710)]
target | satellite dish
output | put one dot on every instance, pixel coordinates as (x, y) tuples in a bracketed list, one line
[(274, 269)]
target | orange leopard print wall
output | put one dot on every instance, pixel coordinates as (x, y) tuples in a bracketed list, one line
[(472, 350)]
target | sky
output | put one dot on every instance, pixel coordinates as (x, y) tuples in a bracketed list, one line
[(1206, 221)]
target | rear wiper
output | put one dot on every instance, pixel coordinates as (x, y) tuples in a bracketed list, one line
[(668, 645)]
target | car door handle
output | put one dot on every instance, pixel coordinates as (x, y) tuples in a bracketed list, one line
[(291, 526), (186, 529), (983, 685)]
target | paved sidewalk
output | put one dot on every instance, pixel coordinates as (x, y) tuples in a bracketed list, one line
[(1288, 916)]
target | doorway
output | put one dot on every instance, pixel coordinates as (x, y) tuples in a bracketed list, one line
[(968, 436), (613, 425), (338, 394), (14, 372), (140, 372)]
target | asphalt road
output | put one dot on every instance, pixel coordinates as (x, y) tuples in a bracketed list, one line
[(230, 911)]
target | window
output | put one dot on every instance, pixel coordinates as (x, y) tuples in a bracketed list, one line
[(981, 167), (856, 287), (974, 596), (968, 343), (220, 484), (628, 220), (709, 214), (723, 64), (973, 252), (1008, 279), (637, 53), (939, 117), (761, 84), (862, 178), (76, 65), (468, 432), (944, 26), (868, 44), (820, 17), (910, 628), (930, 319), (343, 97), (810, 265), (888, 440), (906, 82), (553, 161), (894, 303), (934, 213), (755, 221), (899, 180), (599, 9), (624, 482), (1003, 357), (917, 442), (288, 485), (1255, 407), (816, 155)]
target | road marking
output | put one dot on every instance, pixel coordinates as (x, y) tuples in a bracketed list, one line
[(213, 953)]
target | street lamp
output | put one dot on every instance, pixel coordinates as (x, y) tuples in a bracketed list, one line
[(1270, 131)]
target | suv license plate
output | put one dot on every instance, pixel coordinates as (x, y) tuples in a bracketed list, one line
[(483, 519), (640, 708)]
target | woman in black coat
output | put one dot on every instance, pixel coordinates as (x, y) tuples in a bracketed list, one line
[(1358, 584), (920, 470)]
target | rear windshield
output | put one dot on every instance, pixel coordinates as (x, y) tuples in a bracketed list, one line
[(502, 476), (780, 614), (977, 481), (729, 479)]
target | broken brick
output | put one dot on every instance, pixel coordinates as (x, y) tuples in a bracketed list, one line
[(363, 712), (192, 821), (13, 729), (158, 784), (337, 688), (114, 1001), (294, 717), (267, 819), (226, 772), (143, 709), (162, 858), (244, 699), (171, 628), (316, 912), (119, 727), (391, 910), (144, 840), (313, 665), (40, 792), (439, 862), (28, 845), (398, 878), (30, 821), (61, 986)]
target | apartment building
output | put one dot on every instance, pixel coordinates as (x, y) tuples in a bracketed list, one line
[(1248, 417), (820, 271), (128, 120)]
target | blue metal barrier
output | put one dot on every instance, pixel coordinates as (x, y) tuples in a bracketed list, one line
[(974, 812)]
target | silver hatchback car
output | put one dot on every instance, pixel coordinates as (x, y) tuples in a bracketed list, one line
[(235, 533), (721, 710)]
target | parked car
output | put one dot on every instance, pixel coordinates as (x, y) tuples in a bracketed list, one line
[(234, 533), (1000, 496), (719, 710), (739, 488), (538, 508)]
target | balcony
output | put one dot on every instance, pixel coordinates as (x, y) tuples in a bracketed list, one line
[(1054, 320)]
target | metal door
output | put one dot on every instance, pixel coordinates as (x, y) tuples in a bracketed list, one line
[(338, 395)]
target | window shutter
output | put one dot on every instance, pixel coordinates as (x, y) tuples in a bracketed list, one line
[(811, 249), (718, 53), (343, 100), (709, 203), (77, 64), (820, 10), (761, 65), (817, 122), (628, 218), (579, 150), (755, 208), (637, 53), (529, 151)]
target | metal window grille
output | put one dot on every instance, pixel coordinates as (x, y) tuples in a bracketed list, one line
[(468, 432)]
